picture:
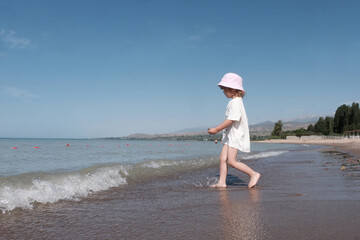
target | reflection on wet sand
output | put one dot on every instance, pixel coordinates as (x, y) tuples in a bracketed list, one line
[(241, 217)]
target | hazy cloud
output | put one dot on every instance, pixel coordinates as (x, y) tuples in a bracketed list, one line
[(19, 93), (195, 38), (9, 38), (201, 35)]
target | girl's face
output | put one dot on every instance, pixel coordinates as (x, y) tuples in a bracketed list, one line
[(229, 93)]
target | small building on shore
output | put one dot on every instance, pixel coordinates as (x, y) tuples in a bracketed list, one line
[(352, 134)]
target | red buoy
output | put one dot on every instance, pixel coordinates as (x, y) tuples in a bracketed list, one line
[(14, 147)]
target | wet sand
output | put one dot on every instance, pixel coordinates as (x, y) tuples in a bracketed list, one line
[(344, 145), (301, 195)]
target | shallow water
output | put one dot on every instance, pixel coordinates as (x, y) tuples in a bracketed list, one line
[(49, 170), (62, 155), (302, 194)]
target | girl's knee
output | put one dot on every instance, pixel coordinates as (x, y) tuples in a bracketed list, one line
[(231, 162), (223, 159)]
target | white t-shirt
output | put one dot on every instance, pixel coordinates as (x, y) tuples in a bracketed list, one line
[(237, 134)]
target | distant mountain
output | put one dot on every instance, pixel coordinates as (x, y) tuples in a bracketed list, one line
[(262, 125), (265, 128), (309, 118), (259, 129), (165, 135), (190, 130), (262, 129), (296, 125)]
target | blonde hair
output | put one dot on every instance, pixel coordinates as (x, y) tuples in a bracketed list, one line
[(238, 93)]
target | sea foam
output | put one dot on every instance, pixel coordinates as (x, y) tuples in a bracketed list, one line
[(264, 154), (24, 190), (52, 188)]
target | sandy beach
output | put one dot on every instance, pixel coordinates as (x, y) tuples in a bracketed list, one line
[(349, 145)]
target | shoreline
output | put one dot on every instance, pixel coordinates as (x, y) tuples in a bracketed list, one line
[(301, 195), (351, 146)]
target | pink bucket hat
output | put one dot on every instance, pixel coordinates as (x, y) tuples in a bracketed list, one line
[(232, 80)]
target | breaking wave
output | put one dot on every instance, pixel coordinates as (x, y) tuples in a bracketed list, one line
[(24, 190)]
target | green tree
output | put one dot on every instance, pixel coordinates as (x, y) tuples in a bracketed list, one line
[(300, 132), (283, 135), (277, 129), (320, 126), (329, 124), (354, 117), (311, 128), (341, 119)]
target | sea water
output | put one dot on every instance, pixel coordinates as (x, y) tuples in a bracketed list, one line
[(49, 170)]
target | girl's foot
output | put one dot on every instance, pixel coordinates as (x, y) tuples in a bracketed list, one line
[(218, 186), (254, 179)]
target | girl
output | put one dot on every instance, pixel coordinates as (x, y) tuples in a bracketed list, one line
[(236, 135)]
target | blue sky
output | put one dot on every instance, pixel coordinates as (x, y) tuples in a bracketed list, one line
[(112, 68)]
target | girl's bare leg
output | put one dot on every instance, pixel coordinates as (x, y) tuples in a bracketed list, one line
[(231, 157), (223, 168)]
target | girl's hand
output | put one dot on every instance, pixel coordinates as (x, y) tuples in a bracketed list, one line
[(222, 126), (212, 130)]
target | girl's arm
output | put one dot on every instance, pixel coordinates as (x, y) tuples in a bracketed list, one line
[(222, 126)]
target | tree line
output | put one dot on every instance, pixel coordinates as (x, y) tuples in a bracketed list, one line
[(346, 118)]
